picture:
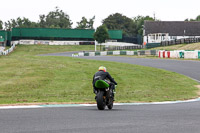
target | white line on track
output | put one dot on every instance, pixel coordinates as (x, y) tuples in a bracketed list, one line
[(83, 105)]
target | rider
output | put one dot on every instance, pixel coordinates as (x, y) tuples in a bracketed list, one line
[(103, 75)]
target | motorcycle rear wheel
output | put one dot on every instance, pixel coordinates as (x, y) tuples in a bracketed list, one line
[(101, 103)]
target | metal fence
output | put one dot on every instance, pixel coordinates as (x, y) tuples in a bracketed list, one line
[(123, 47), (180, 41)]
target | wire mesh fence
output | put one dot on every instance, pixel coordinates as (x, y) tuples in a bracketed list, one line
[(180, 41)]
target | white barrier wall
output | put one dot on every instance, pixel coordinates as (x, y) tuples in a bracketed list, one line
[(46, 42), (116, 52), (103, 53), (80, 54), (191, 54), (6, 52), (118, 44), (64, 42), (129, 52), (2, 48), (174, 54), (180, 54), (26, 42), (14, 42), (91, 53), (161, 53)]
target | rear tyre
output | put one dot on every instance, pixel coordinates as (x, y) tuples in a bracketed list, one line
[(101, 104)]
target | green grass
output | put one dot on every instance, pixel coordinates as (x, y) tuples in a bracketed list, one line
[(26, 77)]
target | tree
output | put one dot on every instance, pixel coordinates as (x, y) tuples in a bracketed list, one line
[(189, 19), (82, 24), (42, 22), (1, 25), (139, 22), (91, 23), (55, 19), (20, 23), (85, 24), (197, 19), (118, 21), (101, 34), (10, 24)]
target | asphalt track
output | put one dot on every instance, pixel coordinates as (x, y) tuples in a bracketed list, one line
[(144, 118)]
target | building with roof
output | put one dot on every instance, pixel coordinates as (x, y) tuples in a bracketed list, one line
[(158, 31)]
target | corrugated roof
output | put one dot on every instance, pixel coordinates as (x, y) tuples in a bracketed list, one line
[(174, 28)]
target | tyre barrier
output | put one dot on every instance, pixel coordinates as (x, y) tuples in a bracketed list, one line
[(183, 54), (104, 53), (6, 52)]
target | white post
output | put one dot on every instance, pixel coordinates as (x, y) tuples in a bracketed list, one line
[(95, 46)]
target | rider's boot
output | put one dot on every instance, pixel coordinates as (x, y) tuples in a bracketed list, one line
[(95, 92)]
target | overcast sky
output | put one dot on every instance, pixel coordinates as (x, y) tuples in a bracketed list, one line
[(165, 10)]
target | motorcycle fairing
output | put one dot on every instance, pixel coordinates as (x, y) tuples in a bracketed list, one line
[(101, 84)]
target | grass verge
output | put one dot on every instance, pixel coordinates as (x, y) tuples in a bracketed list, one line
[(28, 78)]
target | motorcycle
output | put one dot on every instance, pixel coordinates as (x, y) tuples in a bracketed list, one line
[(105, 95)]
